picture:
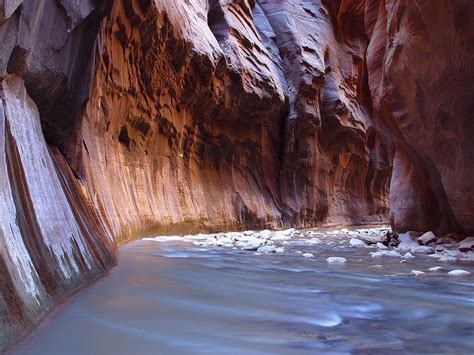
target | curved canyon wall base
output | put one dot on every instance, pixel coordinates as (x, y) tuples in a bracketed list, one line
[(135, 117)]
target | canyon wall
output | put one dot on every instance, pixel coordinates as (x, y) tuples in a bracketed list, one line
[(131, 117), (421, 79)]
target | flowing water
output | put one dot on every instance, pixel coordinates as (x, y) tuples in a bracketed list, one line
[(173, 297)]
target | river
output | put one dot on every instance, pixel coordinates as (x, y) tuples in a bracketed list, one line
[(174, 297)]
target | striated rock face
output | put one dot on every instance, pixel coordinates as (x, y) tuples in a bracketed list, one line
[(123, 118), (422, 83), (335, 168)]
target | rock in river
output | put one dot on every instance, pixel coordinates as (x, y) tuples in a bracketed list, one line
[(336, 260)]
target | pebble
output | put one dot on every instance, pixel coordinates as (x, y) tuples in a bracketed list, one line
[(417, 272), (308, 255), (459, 273), (357, 242), (436, 269), (336, 260)]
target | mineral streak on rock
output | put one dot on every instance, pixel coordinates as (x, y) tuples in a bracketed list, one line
[(122, 118)]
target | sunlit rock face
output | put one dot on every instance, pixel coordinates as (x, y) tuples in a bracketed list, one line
[(227, 114), (122, 118), (182, 128), (421, 79)]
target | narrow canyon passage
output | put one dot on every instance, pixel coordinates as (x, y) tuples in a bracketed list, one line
[(177, 296), (127, 119)]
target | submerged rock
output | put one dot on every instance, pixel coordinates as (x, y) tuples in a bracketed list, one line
[(417, 272)]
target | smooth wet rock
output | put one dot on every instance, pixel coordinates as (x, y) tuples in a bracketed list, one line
[(336, 260), (373, 239), (427, 238), (408, 255), (280, 250), (459, 273), (417, 273), (308, 255), (357, 242), (423, 250), (266, 249), (252, 245), (381, 246), (313, 241), (436, 269), (467, 244)]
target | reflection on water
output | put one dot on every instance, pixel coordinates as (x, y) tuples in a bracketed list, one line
[(176, 298)]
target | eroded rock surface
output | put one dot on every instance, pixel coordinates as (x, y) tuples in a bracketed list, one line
[(122, 118), (422, 84)]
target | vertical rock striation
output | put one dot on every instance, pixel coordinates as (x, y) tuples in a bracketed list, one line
[(422, 84), (122, 118), (335, 168)]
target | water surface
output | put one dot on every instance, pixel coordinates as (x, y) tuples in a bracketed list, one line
[(177, 298)]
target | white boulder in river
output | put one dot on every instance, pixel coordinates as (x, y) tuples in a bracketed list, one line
[(459, 273), (357, 242), (427, 238), (336, 260), (266, 249)]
